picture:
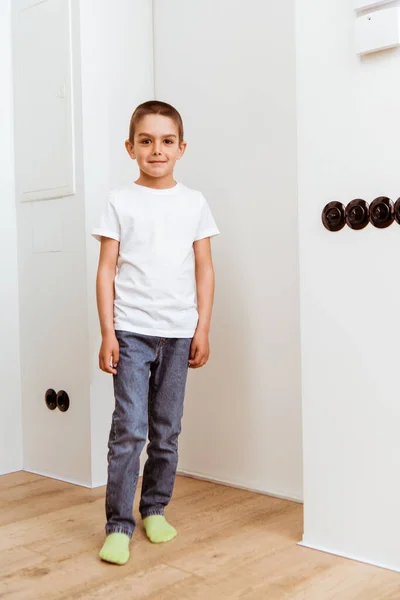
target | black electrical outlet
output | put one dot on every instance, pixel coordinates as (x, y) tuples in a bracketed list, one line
[(381, 212), (63, 401), (50, 399), (357, 214), (333, 216)]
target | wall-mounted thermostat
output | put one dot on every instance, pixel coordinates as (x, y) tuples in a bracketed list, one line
[(378, 31), (365, 4)]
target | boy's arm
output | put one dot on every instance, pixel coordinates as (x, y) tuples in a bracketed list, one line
[(205, 284), (109, 250), (204, 271)]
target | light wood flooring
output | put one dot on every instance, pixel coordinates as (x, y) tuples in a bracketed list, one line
[(231, 544)]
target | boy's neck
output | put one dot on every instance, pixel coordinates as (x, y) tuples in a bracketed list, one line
[(157, 183)]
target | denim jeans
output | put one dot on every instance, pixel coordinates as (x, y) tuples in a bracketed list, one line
[(149, 390)]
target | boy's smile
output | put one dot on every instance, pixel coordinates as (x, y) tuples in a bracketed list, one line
[(156, 148)]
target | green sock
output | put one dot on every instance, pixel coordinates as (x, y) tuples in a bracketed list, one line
[(158, 530), (115, 549)]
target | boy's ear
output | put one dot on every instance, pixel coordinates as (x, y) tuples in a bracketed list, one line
[(129, 148), (182, 149)]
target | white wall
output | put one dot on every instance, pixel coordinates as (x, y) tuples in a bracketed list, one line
[(10, 375), (117, 75), (53, 313), (350, 291), (229, 67)]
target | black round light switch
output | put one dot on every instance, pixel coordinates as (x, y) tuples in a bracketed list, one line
[(381, 212), (63, 401), (50, 399), (357, 214), (333, 216), (397, 211)]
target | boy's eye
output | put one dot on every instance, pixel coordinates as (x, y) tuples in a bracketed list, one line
[(167, 141)]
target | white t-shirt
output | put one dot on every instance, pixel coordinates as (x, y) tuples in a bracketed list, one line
[(155, 284)]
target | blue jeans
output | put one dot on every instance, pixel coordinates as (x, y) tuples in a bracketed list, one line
[(149, 392)]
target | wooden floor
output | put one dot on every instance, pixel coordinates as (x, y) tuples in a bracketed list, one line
[(231, 544)]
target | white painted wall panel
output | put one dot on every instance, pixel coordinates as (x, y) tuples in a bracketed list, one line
[(52, 280), (43, 97)]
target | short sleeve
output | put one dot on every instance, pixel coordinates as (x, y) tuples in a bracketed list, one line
[(207, 226), (109, 223)]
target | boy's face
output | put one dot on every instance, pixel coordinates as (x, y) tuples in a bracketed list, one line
[(156, 145)]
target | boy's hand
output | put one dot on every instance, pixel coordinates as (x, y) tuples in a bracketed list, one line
[(109, 354), (199, 350)]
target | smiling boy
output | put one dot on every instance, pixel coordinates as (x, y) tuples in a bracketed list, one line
[(155, 290)]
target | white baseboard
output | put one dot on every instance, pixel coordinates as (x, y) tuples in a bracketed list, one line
[(8, 471), (97, 484), (360, 559), (204, 477), (52, 476), (183, 473)]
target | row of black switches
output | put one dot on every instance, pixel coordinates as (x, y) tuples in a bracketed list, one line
[(357, 214)]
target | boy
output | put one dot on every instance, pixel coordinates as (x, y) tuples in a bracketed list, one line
[(155, 256)]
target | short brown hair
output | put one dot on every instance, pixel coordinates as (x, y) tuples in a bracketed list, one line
[(155, 107)]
